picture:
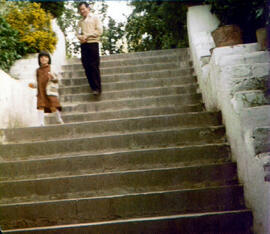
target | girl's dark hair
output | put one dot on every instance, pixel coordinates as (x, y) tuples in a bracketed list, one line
[(44, 53), (83, 3)]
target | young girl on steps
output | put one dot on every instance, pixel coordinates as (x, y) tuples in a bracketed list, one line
[(47, 93)]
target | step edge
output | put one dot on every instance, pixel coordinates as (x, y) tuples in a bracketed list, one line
[(151, 193), (156, 218), (224, 144), (154, 170)]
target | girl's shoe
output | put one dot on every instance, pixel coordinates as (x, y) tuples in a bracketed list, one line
[(41, 117), (58, 117), (60, 121)]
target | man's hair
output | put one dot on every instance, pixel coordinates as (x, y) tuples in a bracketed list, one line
[(83, 3), (44, 53)]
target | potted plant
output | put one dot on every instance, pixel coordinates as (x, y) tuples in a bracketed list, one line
[(262, 17), (238, 21), (227, 11)]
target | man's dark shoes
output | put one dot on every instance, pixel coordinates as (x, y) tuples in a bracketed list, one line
[(96, 93)]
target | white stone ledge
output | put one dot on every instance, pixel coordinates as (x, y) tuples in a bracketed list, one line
[(251, 98), (258, 116), (264, 160), (203, 42), (234, 50), (261, 136), (245, 84), (267, 167), (245, 70), (25, 68), (248, 58)]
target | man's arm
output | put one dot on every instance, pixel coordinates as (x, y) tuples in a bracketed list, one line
[(99, 28)]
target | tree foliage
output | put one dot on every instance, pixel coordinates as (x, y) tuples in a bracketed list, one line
[(68, 22), (55, 8), (112, 38), (34, 27), (156, 25), (10, 47)]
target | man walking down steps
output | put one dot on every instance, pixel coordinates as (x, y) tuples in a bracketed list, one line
[(88, 32)]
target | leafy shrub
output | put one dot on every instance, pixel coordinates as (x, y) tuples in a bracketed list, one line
[(112, 38), (34, 26), (10, 47), (53, 7), (156, 25)]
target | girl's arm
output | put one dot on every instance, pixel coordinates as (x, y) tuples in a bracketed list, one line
[(33, 85)]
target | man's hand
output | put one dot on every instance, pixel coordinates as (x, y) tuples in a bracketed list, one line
[(82, 39), (94, 35)]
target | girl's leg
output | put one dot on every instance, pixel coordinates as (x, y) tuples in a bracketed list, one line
[(41, 116), (57, 114)]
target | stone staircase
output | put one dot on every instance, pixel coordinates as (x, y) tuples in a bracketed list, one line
[(143, 158)]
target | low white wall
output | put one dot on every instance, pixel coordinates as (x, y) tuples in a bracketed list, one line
[(59, 55), (233, 79), (18, 103)]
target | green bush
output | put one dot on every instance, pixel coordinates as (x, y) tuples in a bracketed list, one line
[(10, 47), (54, 8), (34, 26), (156, 25)]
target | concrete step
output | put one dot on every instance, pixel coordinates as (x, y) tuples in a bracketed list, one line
[(136, 74), (128, 94), (115, 207), (180, 60), (139, 112), (178, 51), (182, 52), (106, 143), (237, 222), (117, 183), (74, 164), (121, 83), (127, 69), (97, 128), (147, 84), (134, 103)]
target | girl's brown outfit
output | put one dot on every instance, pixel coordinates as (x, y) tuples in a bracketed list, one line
[(43, 100)]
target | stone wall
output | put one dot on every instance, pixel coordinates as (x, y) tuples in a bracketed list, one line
[(234, 80)]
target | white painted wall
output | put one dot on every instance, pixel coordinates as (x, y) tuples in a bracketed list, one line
[(59, 55), (232, 79), (18, 103)]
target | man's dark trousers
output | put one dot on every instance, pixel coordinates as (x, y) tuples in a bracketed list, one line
[(90, 61)]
